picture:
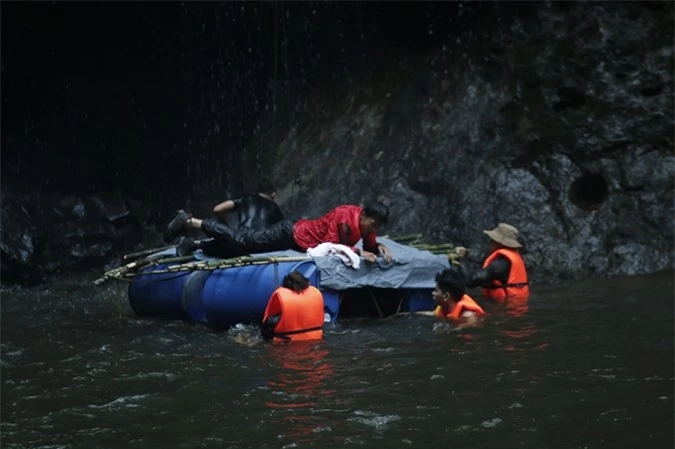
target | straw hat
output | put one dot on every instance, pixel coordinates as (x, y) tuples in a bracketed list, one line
[(505, 234)]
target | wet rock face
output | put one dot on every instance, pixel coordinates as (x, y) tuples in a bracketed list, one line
[(22, 243), (555, 117), (51, 234), (558, 121)]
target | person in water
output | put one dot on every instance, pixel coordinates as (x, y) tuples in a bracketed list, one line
[(254, 211), (452, 302), (294, 312), (346, 225), (503, 274)]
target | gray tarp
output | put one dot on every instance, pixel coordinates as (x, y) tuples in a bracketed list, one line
[(410, 268)]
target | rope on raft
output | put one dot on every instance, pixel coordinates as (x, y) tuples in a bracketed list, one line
[(187, 264)]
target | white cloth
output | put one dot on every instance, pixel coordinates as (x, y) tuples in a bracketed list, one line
[(345, 253)]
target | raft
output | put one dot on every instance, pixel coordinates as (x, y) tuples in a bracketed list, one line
[(223, 293)]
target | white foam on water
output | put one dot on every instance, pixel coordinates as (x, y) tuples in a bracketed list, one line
[(126, 401), (491, 422), (391, 349), (373, 420), (150, 375)]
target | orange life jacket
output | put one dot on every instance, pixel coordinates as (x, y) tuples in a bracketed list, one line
[(466, 302), (516, 285), (301, 314)]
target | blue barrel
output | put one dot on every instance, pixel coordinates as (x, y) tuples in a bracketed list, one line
[(240, 295), (221, 297), (417, 300), (331, 304), (158, 295)]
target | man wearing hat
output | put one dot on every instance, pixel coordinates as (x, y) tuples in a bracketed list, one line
[(503, 274)]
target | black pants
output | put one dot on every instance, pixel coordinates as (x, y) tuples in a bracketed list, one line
[(229, 242)]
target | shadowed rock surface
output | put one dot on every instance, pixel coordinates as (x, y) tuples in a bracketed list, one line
[(556, 118), (54, 234)]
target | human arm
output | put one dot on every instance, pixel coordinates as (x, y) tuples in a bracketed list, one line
[(468, 318), (222, 209), (372, 246), (344, 234), (498, 270), (382, 249)]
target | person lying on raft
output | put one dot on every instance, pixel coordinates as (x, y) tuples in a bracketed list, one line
[(294, 312), (345, 224), (452, 302), (254, 211)]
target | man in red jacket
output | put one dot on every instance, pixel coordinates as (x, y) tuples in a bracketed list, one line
[(345, 225)]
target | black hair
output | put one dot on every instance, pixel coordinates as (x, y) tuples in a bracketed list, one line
[(378, 211), (266, 186), (295, 281), (452, 281)]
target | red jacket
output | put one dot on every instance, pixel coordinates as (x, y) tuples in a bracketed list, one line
[(310, 233)]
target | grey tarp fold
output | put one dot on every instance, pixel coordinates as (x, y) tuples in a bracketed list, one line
[(410, 268)]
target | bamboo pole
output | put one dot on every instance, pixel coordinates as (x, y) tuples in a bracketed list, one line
[(407, 238), (144, 253), (209, 265), (411, 240), (432, 247), (119, 272)]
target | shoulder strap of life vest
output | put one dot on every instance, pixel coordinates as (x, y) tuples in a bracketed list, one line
[(517, 276), (465, 303)]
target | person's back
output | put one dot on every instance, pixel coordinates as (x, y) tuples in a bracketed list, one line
[(294, 312), (311, 232), (256, 211), (346, 224)]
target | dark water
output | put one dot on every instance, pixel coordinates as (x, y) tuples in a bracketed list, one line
[(589, 365)]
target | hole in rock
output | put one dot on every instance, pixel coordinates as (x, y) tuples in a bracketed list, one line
[(588, 191)]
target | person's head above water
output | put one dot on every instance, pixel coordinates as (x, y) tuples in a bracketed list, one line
[(450, 286), (295, 281)]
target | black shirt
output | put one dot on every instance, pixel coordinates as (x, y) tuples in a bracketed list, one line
[(255, 211), (498, 270)]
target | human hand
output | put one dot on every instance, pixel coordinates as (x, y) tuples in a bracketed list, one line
[(460, 251), (370, 257), (385, 253)]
